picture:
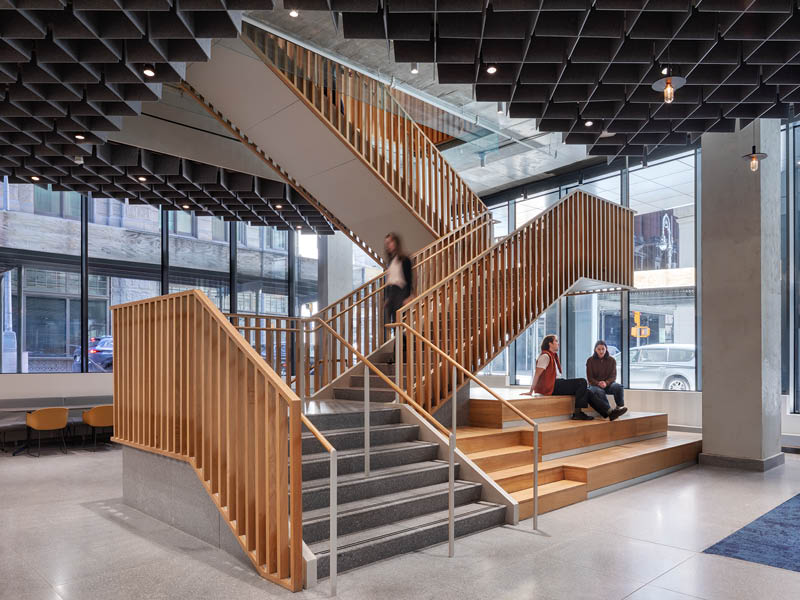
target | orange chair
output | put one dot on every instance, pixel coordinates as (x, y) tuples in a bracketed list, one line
[(47, 419), (99, 416)]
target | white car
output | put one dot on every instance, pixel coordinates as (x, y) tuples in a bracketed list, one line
[(663, 366)]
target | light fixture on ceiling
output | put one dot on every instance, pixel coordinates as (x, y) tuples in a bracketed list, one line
[(491, 69), (142, 178), (80, 136), (149, 70), (414, 68), (755, 157), (482, 156), (279, 206), (34, 178), (299, 227), (185, 207), (501, 108), (668, 84), (606, 134), (294, 13), (588, 123)]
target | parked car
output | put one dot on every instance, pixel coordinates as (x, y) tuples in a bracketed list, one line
[(663, 366), (101, 355)]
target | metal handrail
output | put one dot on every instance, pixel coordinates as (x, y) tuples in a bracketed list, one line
[(451, 437), (333, 536), (457, 367)]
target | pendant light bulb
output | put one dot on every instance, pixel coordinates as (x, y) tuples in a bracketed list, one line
[(669, 92), (754, 164)]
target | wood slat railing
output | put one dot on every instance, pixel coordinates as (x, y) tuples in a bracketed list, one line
[(476, 311), (187, 385), (364, 113), (358, 317)]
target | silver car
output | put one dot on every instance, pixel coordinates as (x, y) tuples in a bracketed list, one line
[(663, 366)]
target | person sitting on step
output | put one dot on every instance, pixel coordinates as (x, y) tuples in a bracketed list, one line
[(548, 382), (601, 371)]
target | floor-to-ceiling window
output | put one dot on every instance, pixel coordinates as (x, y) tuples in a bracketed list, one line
[(662, 309), (125, 261), (199, 252), (40, 246)]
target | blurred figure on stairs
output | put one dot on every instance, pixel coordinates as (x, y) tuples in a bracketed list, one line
[(399, 278)]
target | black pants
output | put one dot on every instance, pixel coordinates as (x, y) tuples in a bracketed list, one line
[(583, 397), (395, 295), (614, 389)]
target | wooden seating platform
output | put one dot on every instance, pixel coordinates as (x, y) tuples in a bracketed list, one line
[(578, 458)]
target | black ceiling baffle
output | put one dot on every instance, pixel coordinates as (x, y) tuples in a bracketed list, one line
[(550, 55)]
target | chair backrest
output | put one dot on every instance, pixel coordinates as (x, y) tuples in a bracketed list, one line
[(100, 416), (46, 419)]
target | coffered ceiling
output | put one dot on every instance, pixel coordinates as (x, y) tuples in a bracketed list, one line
[(584, 68)]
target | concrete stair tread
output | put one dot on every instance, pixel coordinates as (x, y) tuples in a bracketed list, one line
[(359, 451), (380, 501), (596, 458), (324, 482), (401, 528), (348, 430), (526, 495)]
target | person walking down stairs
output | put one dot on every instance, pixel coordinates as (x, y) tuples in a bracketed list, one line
[(399, 279), (547, 381)]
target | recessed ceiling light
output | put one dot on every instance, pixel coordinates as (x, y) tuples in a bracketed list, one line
[(279, 206), (80, 136), (299, 227), (491, 69), (34, 178), (414, 68), (665, 70), (293, 13), (588, 123), (142, 178), (185, 207), (149, 71)]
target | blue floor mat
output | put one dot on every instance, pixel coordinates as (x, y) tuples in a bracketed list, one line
[(773, 539)]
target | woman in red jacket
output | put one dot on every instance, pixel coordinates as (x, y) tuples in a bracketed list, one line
[(547, 381)]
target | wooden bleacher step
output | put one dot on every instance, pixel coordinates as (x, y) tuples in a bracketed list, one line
[(551, 496)]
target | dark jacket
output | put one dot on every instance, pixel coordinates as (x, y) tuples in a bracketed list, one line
[(601, 369)]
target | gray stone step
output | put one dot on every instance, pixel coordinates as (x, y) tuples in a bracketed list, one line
[(357, 393), (371, 545), (316, 466), (375, 382), (388, 508), (354, 417), (356, 486), (347, 439)]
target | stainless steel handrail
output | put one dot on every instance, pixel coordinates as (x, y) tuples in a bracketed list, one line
[(457, 367), (369, 366)]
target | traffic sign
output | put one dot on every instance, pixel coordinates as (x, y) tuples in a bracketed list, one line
[(640, 332)]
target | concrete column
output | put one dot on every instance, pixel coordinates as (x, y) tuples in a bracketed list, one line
[(334, 267), (741, 299)]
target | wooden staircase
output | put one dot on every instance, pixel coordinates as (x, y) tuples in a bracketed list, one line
[(578, 458)]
